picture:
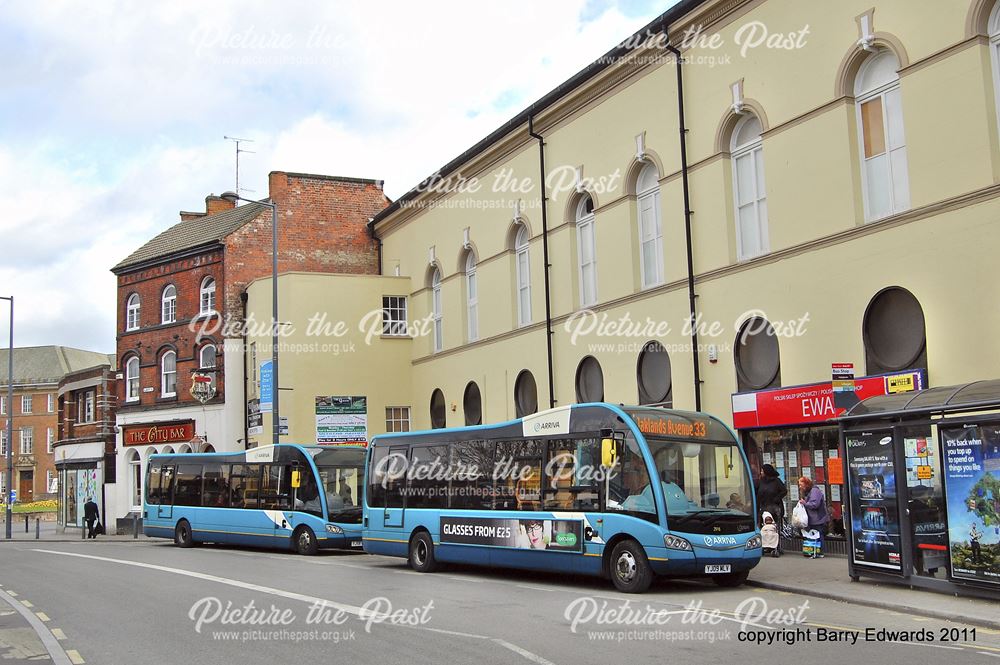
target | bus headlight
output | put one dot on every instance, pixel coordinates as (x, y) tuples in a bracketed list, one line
[(333, 528), (753, 543), (672, 542)]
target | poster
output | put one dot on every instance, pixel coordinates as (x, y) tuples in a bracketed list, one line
[(835, 493), (767, 458), (793, 459), (266, 386), (793, 492), (86, 489), (779, 459), (818, 458), (972, 485), (527, 534), (341, 419), (875, 533)]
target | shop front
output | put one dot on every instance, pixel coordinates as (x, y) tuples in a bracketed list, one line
[(80, 469), (795, 430), (923, 481)]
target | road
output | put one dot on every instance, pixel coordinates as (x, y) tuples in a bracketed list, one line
[(150, 602)]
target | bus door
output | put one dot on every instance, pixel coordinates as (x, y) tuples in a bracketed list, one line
[(165, 509), (395, 481)]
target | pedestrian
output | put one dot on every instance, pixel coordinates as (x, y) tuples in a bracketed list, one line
[(91, 515), (977, 551), (770, 494), (811, 497)]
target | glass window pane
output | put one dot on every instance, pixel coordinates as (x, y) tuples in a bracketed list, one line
[(472, 475), (758, 159), (900, 180), (894, 119), (570, 482), (877, 184), (749, 236), (871, 127), (517, 469), (744, 179), (187, 491)]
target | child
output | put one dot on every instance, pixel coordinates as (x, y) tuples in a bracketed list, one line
[(769, 535)]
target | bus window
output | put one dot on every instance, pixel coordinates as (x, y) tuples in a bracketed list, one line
[(216, 492), (275, 489), (153, 484), (244, 482), (188, 485), (377, 477), (629, 490), (472, 480), (571, 478), (428, 481), (517, 470)]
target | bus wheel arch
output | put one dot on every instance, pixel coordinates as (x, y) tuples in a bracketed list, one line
[(183, 535), (421, 551), (304, 541), (627, 565)]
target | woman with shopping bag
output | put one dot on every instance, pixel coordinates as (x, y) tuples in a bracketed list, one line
[(813, 503)]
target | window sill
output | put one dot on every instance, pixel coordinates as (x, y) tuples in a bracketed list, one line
[(395, 337)]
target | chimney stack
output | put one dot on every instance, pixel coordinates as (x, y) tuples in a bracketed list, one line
[(213, 204)]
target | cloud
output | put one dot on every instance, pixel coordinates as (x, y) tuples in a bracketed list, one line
[(114, 115)]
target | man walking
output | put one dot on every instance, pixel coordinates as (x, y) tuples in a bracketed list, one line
[(91, 516), (977, 552)]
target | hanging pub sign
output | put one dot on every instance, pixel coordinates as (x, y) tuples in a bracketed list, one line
[(972, 488), (875, 532)]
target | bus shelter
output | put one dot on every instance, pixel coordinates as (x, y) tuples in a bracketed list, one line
[(922, 476)]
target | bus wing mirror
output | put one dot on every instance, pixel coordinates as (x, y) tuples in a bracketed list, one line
[(609, 453)]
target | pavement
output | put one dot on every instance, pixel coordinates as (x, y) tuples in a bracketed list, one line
[(118, 600)]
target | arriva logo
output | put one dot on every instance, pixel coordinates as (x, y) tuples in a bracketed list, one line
[(551, 424), (712, 541)]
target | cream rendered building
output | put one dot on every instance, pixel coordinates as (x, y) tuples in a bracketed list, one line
[(841, 163)]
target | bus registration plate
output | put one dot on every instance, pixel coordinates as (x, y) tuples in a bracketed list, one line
[(718, 569), (355, 543)]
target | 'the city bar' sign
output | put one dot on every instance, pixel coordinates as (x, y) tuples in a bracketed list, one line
[(178, 431)]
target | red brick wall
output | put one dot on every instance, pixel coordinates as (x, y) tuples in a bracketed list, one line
[(322, 227), (39, 420), (152, 337)]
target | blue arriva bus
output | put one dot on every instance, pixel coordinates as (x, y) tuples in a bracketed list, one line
[(287, 496), (623, 492)]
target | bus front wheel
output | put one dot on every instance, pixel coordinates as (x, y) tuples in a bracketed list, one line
[(422, 553), (182, 534), (305, 541), (630, 569)]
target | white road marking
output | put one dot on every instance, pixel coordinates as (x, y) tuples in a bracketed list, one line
[(75, 657), (58, 634), (987, 653), (43, 617), (358, 612), (59, 657), (27, 603)]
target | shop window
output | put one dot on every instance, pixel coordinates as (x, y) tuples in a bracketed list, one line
[(894, 334), (749, 195), (438, 409), (653, 376), (758, 359), (589, 381), (525, 394), (880, 132), (650, 226), (472, 403)]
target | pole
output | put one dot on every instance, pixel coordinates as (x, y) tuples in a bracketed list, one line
[(275, 384), (9, 485)]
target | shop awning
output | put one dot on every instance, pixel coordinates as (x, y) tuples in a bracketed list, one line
[(966, 397)]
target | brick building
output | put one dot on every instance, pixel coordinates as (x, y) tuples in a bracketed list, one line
[(84, 450), (37, 373), (180, 308)]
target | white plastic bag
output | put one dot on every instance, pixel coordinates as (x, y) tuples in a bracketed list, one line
[(800, 518)]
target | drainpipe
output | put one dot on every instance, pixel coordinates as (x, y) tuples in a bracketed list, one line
[(244, 297), (378, 242), (687, 227), (545, 256)]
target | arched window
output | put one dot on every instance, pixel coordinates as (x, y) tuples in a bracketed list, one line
[(589, 381), (653, 376), (523, 276), (472, 296), (135, 478), (168, 311), (206, 362), (436, 310), (586, 251), (994, 27), (894, 333), (207, 298), (472, 403), (438, 409), (650, 226), (758, 358), (132, 379), (168, 374), (132, 312), (880, 132), (749, 195), (525, 394)]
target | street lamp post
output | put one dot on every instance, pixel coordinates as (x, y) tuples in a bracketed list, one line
[(10, 417), (233, 197)]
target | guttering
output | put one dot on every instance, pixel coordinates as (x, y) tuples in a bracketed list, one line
[(657, 25), (545, 255), (692, 296)]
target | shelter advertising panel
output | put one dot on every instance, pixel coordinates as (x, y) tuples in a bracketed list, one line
[(972, 485), (875, 532)]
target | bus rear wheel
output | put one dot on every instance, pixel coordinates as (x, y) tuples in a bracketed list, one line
[(182, 534), (422, 553), (731, 579), (630, 569), (305, 542)]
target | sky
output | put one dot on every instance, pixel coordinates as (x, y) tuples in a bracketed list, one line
[(114, 114)]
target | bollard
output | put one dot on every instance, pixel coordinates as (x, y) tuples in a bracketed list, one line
[(26, 524), (83, 532), (38, 528), (135, 526)]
